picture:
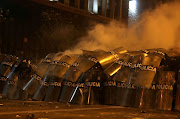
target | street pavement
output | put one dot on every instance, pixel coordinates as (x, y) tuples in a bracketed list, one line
[(11, 109)]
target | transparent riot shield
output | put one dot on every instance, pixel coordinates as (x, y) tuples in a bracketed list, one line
[(144, 73), (164, 90), (92, 90), (11, 83), (109, 86), (37, 77), (41, 91), (56, 79), (146, 97), (5, 68), (150, 62), (125, 95), (18, 76), (70, 85), (170, 63)]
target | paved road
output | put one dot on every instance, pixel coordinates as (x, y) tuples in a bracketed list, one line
[(49, 110)]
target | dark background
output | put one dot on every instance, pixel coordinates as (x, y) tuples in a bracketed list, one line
[(32, 30)]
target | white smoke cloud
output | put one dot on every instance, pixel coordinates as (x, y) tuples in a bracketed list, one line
[(159, 28)]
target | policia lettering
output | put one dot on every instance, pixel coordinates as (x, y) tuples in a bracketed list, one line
[(11, 82), (75, 64), (61, 63), (110, 83), (162, 87), (72, 84), (81, 85), (140, 66), (94, 84), (93, 59), (115, 55), (35, 76), (153, 87), (64, 64), (159, 52), (124, 85), (58, 84), (3, 79), (128, 64), (44, 83), (47, 61), (147, 68)]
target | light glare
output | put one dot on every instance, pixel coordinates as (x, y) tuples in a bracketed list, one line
[(133, 6)]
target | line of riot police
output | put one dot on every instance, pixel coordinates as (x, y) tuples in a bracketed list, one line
[(143, 79)]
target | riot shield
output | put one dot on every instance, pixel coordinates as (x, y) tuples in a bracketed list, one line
[(18, 76), (69, 88), (125, 95), (5, 68), (41, 91), (55, 81), (150, 62), (143, 79), (91, 92), (37, 77), (160, 59), (109, 86), (164, 90), (145, 97)]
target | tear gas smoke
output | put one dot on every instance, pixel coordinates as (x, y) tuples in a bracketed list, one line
[(158, 28)]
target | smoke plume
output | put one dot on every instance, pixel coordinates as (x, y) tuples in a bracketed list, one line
[(158, 28)]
